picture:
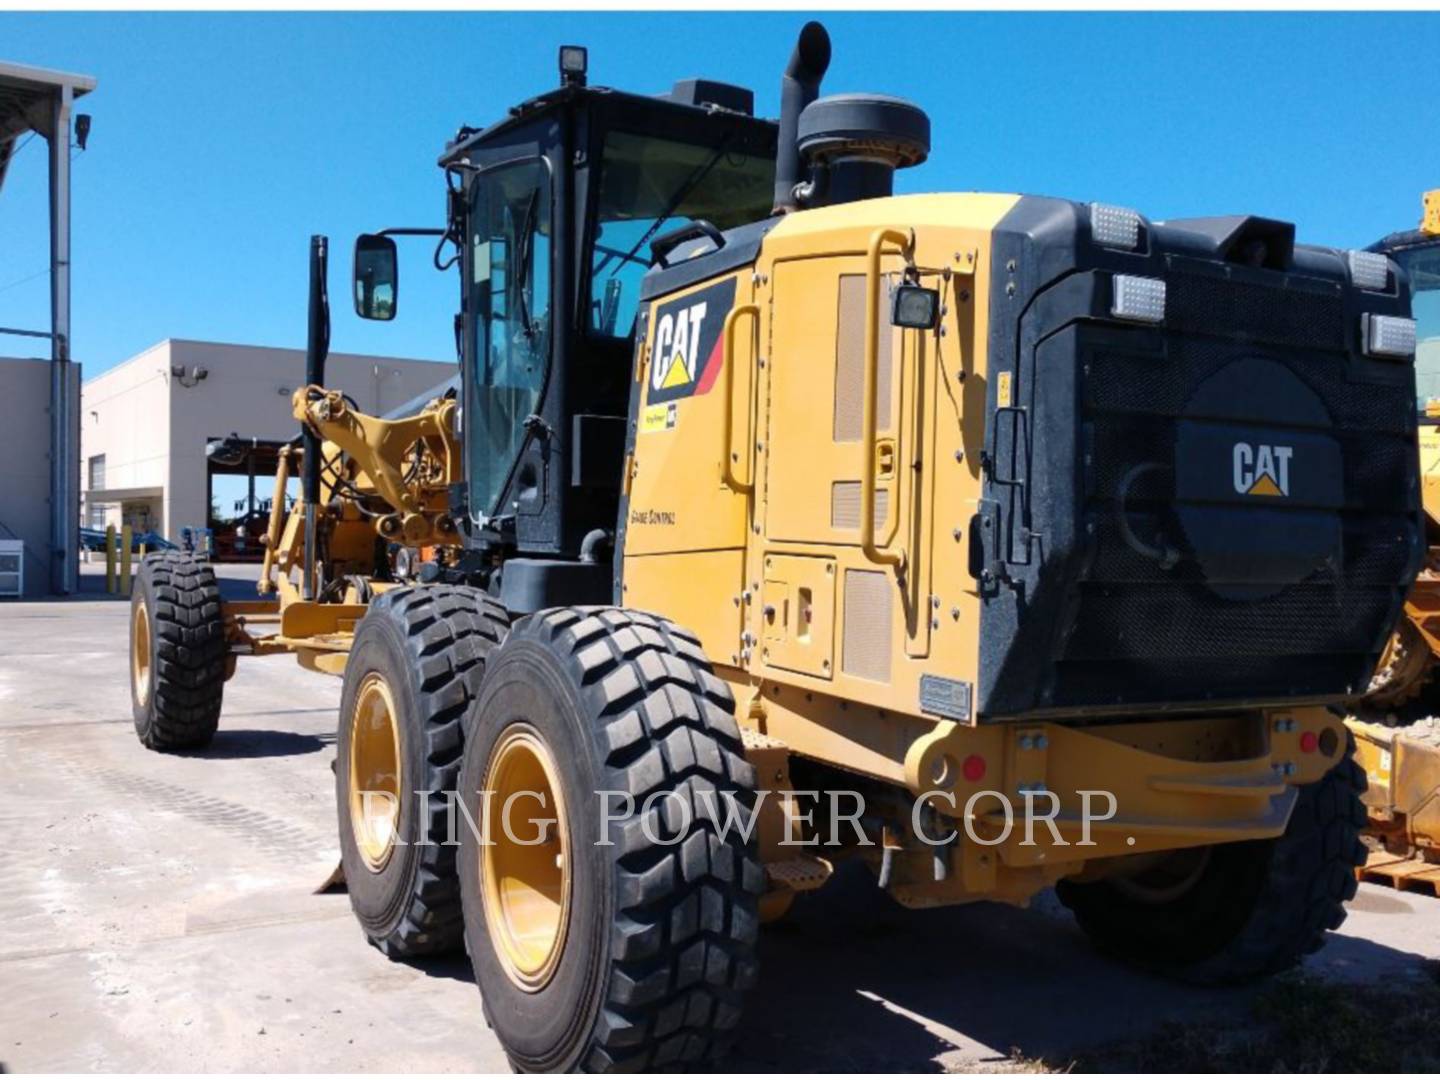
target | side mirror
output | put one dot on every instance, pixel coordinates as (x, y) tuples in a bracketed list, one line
[(377, 277), (915, 307)]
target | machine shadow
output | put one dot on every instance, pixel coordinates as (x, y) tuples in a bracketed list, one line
[(240, 743), (454, 966), (852, 982), (980, 984)]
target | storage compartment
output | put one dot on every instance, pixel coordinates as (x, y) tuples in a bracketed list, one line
[(797, 614)]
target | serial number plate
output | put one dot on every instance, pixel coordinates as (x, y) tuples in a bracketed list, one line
[(949, 698)]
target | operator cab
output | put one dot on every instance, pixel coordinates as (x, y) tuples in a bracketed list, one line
[(557, 211), (1418, 253)]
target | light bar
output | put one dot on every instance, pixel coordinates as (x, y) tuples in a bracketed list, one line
[(1369, 270), (1388, 335), (1114, 226), (1139, 298)]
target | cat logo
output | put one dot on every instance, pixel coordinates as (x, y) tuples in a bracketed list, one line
[(1262, 469), (677, 344), (687, 356)]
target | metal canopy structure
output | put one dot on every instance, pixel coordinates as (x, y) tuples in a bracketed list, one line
[(41, 101), (27, 103)]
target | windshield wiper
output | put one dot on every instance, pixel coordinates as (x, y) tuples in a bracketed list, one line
[(681, 195), (527, 246)]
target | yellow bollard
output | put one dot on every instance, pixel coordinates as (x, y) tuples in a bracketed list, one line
[(109, 558), (126, 538)]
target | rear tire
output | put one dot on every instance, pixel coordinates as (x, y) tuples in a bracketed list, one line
[(177, 653), (1233, 913), (414, 669), (654, 944)]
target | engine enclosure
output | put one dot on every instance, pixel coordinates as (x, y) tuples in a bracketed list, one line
[(1122, 561)]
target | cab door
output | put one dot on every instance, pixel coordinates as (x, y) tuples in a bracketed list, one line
[(689, 486)]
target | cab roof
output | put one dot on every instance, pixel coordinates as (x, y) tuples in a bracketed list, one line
[(693, 97)]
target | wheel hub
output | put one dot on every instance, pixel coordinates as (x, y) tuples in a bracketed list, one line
[(1166, 879), (374, 772), (525, 864), (140, 653)]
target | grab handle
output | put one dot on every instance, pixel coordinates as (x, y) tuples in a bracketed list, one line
[(728, 455), (878, 240)]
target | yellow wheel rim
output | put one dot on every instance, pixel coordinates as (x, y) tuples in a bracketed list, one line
[(374, 772), (140, 653), (525, 869)]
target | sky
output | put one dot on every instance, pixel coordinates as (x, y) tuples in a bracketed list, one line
[(220, 143)]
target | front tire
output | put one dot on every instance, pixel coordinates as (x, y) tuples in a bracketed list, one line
[(177, 653), (645, 937), (1233, 913), (414, 669)]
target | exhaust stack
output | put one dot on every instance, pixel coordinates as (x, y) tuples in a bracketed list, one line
[(317, 349), (798, 88)]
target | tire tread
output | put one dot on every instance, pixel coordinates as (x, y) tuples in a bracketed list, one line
[(188, 673), (682, 950), (449, 632)]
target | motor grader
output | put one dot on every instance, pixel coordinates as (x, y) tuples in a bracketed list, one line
[(1050, 536), (1396, 732)]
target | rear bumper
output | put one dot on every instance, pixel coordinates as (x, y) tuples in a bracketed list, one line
[(1122, 789)]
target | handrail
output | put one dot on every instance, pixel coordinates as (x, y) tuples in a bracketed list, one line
[(878, 240), (728, 456)]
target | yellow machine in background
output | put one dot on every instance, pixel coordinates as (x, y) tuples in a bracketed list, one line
[(1397, 735)]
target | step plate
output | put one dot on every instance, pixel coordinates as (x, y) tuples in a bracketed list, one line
[(800, 874)]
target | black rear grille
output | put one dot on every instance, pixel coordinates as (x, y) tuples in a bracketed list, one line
[(1144, 619), (1219, 508), (1297, 315), (1134, 615)]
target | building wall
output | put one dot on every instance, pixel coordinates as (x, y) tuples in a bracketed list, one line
[(125, 415), (25, 464), (153, 425)]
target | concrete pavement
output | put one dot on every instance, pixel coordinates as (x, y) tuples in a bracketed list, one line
[(157, 912)]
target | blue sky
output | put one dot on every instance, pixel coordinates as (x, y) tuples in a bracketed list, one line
[(221, 142)]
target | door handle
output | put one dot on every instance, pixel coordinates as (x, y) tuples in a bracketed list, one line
[(885, 459)]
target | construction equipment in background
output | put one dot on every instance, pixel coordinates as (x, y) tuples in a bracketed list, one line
[(1397, 737), (760, 480)]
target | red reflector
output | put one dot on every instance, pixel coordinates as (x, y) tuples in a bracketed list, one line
[(974, 768), (1309, 741)]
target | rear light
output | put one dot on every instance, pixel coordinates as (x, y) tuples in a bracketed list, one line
[(1309, 742), (1140, 299), (1369, 270), (1388, 335), (973, 769), (1114, 226)]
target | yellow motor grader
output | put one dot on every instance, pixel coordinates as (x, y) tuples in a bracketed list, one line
[(1396, 731), (999, 542)]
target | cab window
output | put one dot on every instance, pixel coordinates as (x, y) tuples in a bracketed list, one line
[(650, 186), (1423, 266), (510, 236)]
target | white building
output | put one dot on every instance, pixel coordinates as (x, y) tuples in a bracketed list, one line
[(145, 423)]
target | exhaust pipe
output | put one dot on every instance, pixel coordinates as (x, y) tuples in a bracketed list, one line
[(317, 349), (798, 87)]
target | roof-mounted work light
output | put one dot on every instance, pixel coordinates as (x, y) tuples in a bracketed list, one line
[(574, 61)]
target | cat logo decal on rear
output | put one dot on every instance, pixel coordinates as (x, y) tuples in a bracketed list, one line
[(1262, 469)]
